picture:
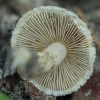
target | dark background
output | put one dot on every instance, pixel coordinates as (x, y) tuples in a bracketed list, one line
[(12, 10)]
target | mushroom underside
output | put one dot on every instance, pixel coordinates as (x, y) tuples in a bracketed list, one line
[(46, 27)]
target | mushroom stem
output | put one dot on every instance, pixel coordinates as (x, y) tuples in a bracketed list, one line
[(52, 56)]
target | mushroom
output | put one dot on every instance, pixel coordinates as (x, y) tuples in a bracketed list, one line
[(64, 46)]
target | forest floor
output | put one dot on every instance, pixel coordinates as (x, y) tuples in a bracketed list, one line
[(11, 11)]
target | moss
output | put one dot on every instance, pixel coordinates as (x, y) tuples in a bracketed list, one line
[(3, 96)]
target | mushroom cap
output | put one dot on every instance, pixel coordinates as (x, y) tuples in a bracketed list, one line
[(43, 26)]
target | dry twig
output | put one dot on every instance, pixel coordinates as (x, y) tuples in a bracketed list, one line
[(81, 15)]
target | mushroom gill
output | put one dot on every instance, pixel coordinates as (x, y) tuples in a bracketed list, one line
[(43, 26)]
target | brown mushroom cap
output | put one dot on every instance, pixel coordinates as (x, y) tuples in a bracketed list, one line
[(43, 26)]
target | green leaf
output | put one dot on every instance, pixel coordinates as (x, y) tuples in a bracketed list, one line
[(3, 96)]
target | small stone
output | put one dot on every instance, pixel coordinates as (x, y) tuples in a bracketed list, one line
[(88, 93)]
